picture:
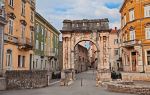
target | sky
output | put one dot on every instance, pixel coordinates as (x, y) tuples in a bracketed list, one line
[(55, 11)]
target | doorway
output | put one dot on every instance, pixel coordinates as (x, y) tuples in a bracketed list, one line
[(134, 62)]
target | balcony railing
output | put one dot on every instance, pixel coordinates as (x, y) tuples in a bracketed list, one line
[(32, 2), (10, 39), (131, 43), (50, 53), (25, 43)]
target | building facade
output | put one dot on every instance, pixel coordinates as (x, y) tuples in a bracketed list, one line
[(60, 54), (18, 34), (46, 45), (2, 25), (114, 50), (81, 58), (92, 55), (135, 27)]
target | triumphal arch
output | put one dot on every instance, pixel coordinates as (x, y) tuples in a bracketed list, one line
[(95, 30)]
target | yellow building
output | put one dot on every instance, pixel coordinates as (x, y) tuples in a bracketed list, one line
[(18, 36), (135, 27)]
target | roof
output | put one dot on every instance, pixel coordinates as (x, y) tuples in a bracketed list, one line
[(41, 17), (123, 5)]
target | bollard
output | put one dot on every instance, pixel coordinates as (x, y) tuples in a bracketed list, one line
[(81, 82)]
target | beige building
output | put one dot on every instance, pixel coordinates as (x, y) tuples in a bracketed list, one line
[(114, 50), (18, 35), (93, 55), (81, 58)]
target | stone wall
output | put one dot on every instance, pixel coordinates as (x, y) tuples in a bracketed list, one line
[(128, 88), (2, 84), (26, 79), (136, 76)]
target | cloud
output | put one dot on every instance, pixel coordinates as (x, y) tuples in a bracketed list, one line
[(55, 11)]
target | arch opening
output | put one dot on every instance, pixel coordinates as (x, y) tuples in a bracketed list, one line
[(85, 56)]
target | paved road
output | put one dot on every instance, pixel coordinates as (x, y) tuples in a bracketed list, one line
[(88, 88)]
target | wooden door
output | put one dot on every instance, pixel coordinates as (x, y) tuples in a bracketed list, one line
[(134, 61)]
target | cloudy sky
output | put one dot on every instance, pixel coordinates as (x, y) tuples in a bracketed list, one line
[(55, 11)]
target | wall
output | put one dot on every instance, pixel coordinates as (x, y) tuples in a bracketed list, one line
[(136, 76), (128, 87), (2, 84), (26, 79)]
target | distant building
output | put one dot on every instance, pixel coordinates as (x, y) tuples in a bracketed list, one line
[(114, 50), (60, 53), (92, 55), (81, 58)]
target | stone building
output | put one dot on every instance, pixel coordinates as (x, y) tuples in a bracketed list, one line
[(96, 31), (114, 50), (2, 25), (60, 53), (92, 55), (135, 28), (81, 58), (46, 39), (18, 34)]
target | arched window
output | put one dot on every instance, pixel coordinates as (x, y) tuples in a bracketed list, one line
[(9, 58)]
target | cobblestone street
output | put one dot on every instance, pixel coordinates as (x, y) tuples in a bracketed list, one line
[(88, 88)]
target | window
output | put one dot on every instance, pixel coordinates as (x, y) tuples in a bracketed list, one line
[(132, 35), (37, 28), (32, 16), (23, 8), (104, 38), (116, 52), (125, 19), (148, 57), (36, 63), (11, 26), (9, 58), (42, 46), (37, 44), (98, 24), (115, 41), (23, 27), (45, 64), (131, 14), (21, 61), (11, 3), (42, 64), (42, 30), (147, 32), (31, 36), (147, 11)]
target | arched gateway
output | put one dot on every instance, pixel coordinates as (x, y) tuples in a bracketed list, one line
[(96, 31)]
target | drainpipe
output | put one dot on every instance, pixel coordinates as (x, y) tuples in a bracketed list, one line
[(141, 37)]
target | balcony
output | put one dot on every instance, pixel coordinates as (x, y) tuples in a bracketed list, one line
[(32, 2), (10, 39), (25, 43), (131, 43), (50, 53)]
